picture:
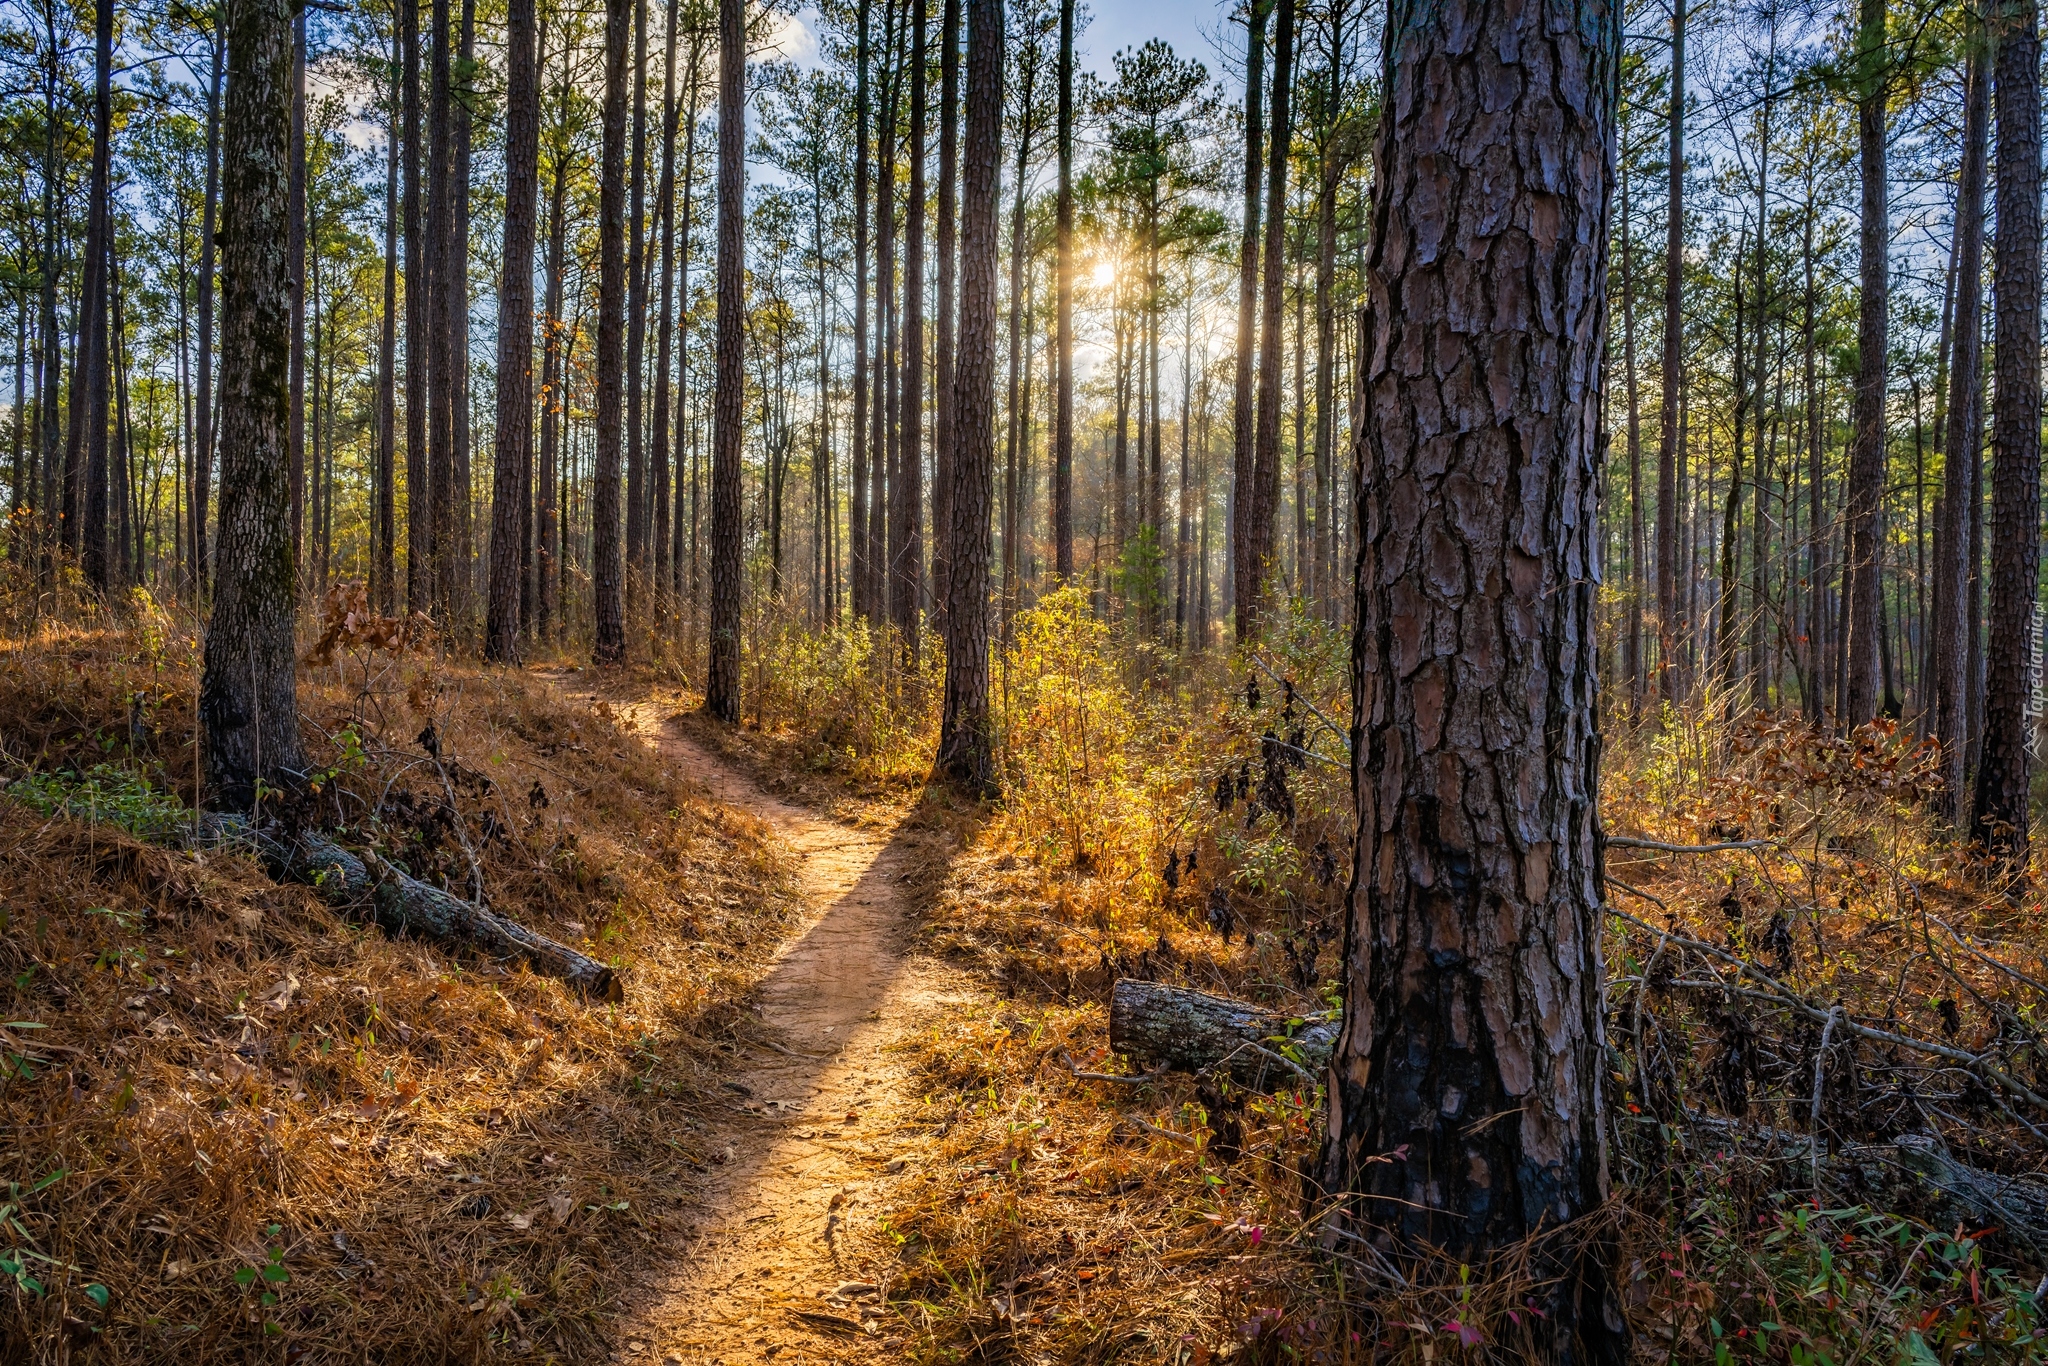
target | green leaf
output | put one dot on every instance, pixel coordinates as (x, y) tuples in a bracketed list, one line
[(98, 1294), (245, 1276), (276, 1274)]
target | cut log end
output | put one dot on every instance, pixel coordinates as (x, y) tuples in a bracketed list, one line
[(1193, 1031)]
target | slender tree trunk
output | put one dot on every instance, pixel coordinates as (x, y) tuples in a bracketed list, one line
[(441, 320), (553, 386), (460, 562), (86, 502), (248, 701), (2000, 818), (297, 248), (1259, 542), (882, 441), (1243, 421), (1063, 402), (1014, 424), (1471, 1049), (383, 512), (942, 369), (857, 502), (1863, 693), (966, 746), (906, 484), (1673, 379), (1323, 554), (687, 576), (722, 680), (419, 313), (606, 572), (512, 472), (1961, 441), (636, 332), (664, 346), (203, 381)]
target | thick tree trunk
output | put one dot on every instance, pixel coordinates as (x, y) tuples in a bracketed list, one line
[(1863, 686), (89, 527), (248, 699), (722, 680), (1466, 1110), (512, 474), (606, 572), (1063, 399), (1964, 435), (1673, 378), (2000, 819), (1260, 547), (966, 747), (1243, 420), (1193, 1031)]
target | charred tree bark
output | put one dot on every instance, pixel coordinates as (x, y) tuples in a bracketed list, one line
[(512, 473), (1863, 687), (1466, 1109), (966, 747), (2000, 819), (1965, 415), (606, 573), (248, 698), (722, 679)]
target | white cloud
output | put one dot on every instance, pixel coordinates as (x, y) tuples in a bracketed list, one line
[(792, 39)]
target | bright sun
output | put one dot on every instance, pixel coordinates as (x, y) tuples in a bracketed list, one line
[(1103, 275)]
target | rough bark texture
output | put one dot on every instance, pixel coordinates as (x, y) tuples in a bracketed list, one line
[(1193, 1031), (203, 384), (606, 572), (361, 880), (1466, 1107), (2001, 808), (1965, 396), (636, 332), (514, 456), (965, 744), (728, 396), (1863, 686), (248, 700), (1242, 414), (1674, 373)]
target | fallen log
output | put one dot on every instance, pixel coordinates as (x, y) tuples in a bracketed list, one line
[(357, 879), (1194, 1031)]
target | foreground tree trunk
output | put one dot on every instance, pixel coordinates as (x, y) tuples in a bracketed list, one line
[(1863, 687), (248, 698), (510, 479), (966, 750), (606, 573), (2001, 808), (728, 396), (1965, 396), (1466, 1105)]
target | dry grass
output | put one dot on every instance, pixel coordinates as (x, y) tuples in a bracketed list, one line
[(258, 1131)]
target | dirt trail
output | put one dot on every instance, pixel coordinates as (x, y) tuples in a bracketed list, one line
[(775, 1267)]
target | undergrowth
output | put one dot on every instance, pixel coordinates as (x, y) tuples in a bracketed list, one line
[(244, 1127), (1186, 819)]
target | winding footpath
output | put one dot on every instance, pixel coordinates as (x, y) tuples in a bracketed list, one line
[(782, 1264)]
